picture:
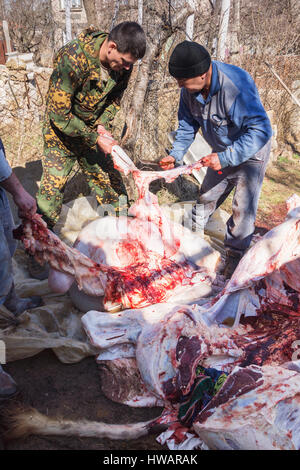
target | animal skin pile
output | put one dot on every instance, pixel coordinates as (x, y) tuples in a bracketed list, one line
[(250, 330)]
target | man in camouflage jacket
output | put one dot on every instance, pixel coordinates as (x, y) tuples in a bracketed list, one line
[(89, 77)]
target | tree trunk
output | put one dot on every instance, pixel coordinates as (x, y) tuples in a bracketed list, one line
[(224, 20), (189, 28), (235, 43), (90, 11), (1, 10), (213, 26), (140, 11), (116, 12), (68, 20), (6, 36), (134, 114)]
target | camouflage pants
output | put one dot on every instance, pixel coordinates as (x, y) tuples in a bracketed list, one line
[(59, 159)]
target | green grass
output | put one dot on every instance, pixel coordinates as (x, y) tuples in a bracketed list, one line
[(281, 181)]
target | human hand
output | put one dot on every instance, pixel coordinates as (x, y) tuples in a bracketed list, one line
[(167, 163), (211, 160), (102, 131), (106, 143), (25, 203)]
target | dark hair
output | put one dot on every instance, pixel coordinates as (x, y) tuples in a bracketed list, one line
[(129, 38)]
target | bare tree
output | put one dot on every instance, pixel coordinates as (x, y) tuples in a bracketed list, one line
[(30, 21), (157, 37), (140, 11), (1, 10), (224, 21), (116, 11), (189, 29), (259, 30), (208, 27), (235, 34), (68, 20), (90, 11)]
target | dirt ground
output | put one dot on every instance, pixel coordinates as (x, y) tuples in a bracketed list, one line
[(73, 391)]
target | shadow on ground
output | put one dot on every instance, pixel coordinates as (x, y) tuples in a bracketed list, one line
[(31, 174)]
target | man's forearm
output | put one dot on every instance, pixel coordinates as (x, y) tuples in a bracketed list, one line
[(23, 200), (12, 185), (181, 146)]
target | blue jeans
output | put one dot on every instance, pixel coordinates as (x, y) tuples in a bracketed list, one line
[(247, 180), (7, 246)]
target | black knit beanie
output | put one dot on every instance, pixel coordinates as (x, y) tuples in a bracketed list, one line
[(188, 60)]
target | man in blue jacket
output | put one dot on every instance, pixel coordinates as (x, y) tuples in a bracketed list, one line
[(223, 101)]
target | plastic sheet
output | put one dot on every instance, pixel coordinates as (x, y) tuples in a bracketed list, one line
[(57, 324)]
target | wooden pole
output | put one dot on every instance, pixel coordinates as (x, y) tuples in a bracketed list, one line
[(6, 35), (224, 21), (189, 29), (68, 20)]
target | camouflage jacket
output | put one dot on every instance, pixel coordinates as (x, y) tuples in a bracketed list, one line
[(78, 99)]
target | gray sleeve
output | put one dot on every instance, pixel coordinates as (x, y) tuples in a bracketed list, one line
[(5, 168)]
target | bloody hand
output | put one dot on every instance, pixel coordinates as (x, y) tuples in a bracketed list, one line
[(211, 160), (105, 140), (167, 163)]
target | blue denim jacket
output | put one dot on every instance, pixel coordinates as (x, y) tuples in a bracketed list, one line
[(232, 118), (5, 168), (7, 243)]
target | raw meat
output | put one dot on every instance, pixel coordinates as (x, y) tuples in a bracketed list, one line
[(248, 330), (254, 321), (156, 330), (46, 246), (258, 408), (146, 264)]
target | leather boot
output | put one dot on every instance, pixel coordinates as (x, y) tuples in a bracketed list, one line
[(8, 387), (232, 259), (36, 270), (18, 305)]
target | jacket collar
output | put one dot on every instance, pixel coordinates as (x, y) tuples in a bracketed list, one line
[(214, 86), (91, 42)]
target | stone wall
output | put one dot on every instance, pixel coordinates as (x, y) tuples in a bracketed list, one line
[(22, 105), (22, 92)]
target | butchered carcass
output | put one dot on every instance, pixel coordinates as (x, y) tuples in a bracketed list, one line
[(135, 250), (258, 408), (254, 320), (157, 329), (132, 261)]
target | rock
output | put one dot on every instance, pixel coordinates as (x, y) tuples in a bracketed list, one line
[(15, 65)]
